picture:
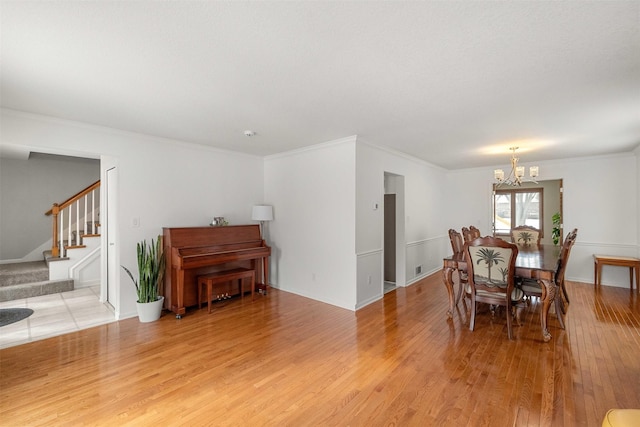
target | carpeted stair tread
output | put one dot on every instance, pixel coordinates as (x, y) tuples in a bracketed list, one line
[(23, 272), (34, 289)]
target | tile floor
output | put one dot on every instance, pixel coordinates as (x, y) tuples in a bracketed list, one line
[(389, 286), (55, 314)]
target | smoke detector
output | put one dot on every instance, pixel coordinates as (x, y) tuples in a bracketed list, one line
[(249, 133)]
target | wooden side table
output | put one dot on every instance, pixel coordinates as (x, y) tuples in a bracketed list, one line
[(617, 261)]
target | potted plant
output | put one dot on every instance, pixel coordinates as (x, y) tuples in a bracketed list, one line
[(151, 262), (555, 232)]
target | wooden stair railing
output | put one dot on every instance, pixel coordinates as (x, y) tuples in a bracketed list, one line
[(86, 197)]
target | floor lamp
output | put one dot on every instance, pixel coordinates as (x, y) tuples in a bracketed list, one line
[(262, 213)]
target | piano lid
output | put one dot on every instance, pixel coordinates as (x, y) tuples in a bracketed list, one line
[(177, 237)]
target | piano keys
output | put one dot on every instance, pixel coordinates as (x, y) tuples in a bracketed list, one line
[(193, 251)]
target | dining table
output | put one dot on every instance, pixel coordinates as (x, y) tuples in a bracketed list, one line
[(538, 262)]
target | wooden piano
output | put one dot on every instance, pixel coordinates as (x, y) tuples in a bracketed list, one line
[(192, 251)]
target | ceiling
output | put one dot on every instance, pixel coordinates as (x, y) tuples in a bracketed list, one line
[(447, 82)]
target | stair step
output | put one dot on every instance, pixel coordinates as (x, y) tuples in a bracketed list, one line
[(29, 290), (75, 247), (23, 272), (48, 257), (66, 246)]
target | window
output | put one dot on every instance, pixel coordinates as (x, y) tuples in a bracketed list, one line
[(513, 208)]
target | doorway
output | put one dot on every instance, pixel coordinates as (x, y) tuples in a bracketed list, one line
[(394, 256), (389, 242), (533, 204), (111, 258)]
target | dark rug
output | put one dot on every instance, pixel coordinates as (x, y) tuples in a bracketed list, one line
[(13, 315)]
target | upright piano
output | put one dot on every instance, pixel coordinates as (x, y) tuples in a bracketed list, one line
[(193, 251)]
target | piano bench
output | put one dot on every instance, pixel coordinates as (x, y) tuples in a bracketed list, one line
[(211, 279)]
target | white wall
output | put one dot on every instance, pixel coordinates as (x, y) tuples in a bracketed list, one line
[(319, 232), (313, 232), (162, 182), (326, 237), (637, 154), (600, 199), (425, 217)]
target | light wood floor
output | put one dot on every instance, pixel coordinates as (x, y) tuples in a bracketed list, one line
[(289, 361)]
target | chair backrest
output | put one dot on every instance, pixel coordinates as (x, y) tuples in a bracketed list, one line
[(563, 260), (456, 241), (525, 235), (470, 233), (466, 234), (491, 264)]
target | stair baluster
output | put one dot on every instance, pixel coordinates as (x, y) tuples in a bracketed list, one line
[(60, 239), (93, 213), (54, 248), (58, 246)]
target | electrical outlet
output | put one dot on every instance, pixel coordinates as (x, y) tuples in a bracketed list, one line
[(418, 270), (369, 280)]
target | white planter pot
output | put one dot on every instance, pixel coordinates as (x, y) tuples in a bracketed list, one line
[(150, 311)]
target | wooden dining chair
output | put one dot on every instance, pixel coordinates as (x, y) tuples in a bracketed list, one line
[(470, 233), (525, 235), (564, 256), (475, 233), (532, 288), (456, 241), (491, 264), (457, 247)]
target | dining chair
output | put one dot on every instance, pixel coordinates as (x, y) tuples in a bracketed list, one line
[(457, 247), (525, 235), (491, 264), (470, 233), (564, 255), (532, 288), (466, 234), (456, 241), (475, 233)]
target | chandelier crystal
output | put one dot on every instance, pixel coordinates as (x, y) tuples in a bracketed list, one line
[(516, 176)]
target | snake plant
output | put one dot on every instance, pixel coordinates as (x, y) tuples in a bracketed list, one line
[(151, 262)]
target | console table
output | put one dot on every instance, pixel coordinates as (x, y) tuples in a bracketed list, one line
[(616, 261)]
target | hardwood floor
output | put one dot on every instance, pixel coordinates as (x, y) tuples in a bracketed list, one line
[(289, 361)]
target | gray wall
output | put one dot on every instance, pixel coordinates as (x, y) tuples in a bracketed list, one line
[(28, 188)]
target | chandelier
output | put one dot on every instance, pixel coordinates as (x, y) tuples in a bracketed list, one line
[(515, 177)]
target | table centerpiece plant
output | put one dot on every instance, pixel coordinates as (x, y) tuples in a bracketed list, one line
[(555, 231)]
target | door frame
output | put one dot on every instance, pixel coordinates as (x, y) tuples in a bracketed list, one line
[(110, 277), (394, 184)]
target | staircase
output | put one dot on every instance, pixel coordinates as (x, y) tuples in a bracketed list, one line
[(29, 279), (73, 251)]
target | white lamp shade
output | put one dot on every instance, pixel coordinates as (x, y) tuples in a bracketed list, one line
[(262, 213)]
